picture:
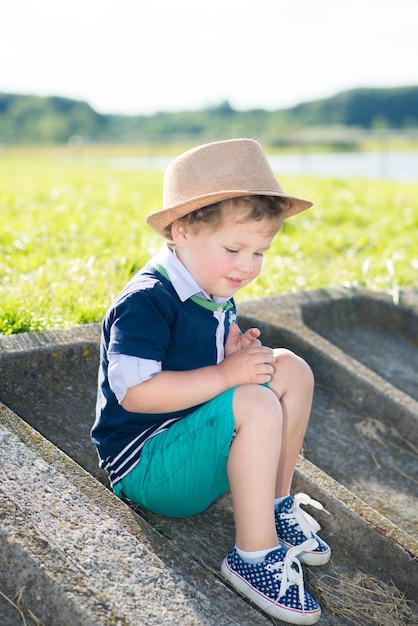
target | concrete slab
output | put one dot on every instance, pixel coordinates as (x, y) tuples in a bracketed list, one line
[(374, 331), (364, 426), (82, 556)]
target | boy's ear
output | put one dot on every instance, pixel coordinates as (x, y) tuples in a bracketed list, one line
[(179, 233)]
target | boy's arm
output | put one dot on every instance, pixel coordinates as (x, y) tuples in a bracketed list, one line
[(171, 391)]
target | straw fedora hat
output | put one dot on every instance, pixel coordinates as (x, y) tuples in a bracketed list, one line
[(214, 172)]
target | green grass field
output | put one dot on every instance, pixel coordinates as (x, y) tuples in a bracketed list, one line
[(73, 232)]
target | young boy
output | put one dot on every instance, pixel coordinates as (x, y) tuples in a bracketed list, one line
[(188, 407)]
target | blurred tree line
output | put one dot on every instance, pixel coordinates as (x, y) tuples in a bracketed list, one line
[(34, 119)]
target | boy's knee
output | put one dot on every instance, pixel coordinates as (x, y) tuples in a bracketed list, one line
[(254, 394), (290, 365), (256, 403)]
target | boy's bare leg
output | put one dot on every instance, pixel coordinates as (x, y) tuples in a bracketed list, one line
[(270, 425), (293, 384), (252, 466)]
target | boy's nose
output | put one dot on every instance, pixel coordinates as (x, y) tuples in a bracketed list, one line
[(246, 264)]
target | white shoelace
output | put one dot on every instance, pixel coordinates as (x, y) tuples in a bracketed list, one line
[(289, 575), (306, 522)]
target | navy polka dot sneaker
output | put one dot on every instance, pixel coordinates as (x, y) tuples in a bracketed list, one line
[(294, 526), (275, 585)]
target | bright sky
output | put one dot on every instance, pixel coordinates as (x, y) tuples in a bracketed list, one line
[(143, 56)]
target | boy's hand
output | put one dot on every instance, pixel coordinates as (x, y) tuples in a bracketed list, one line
[(235, 341), (246, 360)]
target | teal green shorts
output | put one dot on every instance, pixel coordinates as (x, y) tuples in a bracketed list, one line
[(183, 469)]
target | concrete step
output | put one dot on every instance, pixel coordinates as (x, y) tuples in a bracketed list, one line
[(72, 553)]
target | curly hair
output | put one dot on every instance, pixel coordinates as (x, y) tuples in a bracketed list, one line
[(246, 209)]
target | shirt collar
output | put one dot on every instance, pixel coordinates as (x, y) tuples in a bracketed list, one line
[(180, 277)]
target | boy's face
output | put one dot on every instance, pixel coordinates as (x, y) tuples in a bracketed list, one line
[(227, 259)]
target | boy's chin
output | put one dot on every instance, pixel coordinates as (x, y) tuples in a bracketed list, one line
[(225, 293), (226, 290)]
